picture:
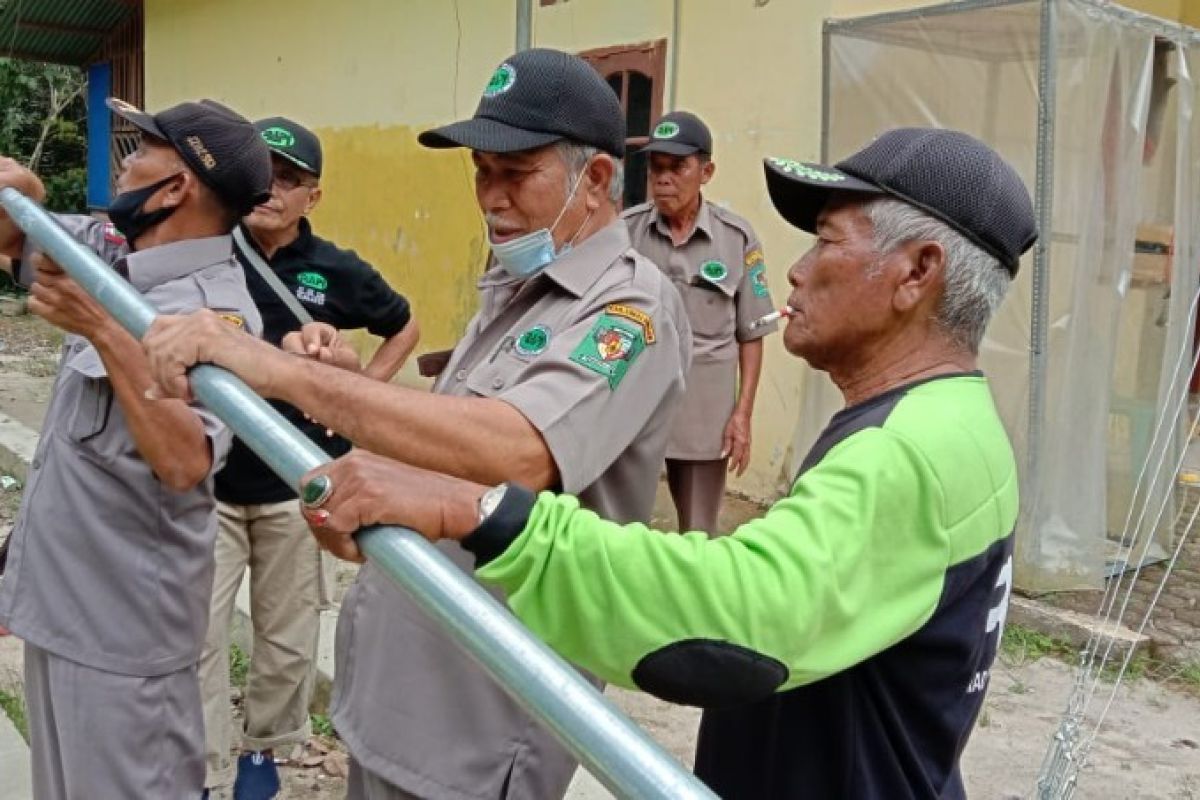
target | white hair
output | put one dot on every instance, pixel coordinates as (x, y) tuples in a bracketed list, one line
[(576, 156), (975, 281)]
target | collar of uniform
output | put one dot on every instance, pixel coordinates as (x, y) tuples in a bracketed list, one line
[(703, 222), (167, 262), (304, 239), (587, 261)]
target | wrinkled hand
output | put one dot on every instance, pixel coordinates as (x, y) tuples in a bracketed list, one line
[(735, 442), (372, 490), (176, 342), (322, 342), (58, 299)]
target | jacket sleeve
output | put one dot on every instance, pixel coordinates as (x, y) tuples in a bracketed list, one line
[(850, 562)]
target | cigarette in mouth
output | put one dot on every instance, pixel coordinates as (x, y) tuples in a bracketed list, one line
[(767, 319)]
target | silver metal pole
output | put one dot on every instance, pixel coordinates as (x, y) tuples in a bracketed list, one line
[(524, 24), (621, 756), (1044, 210)]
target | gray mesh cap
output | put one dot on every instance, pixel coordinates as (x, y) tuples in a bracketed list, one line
[(948, 174), (535, 98)]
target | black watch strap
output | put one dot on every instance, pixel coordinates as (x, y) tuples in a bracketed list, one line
[(502, 526)]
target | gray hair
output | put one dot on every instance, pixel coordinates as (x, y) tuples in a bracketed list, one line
[(576, 156), (975, 281)]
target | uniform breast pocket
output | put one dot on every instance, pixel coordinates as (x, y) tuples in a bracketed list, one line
[(491, 378), (710, 310), (92, 409), (90, 398)]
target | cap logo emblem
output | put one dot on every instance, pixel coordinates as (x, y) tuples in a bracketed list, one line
[(714, 271), (279, 137), (805, 171), (502, 80), (206, 158), (666, 130)]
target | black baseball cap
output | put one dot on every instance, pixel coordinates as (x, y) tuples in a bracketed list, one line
[(680, 133), (291, 141), (948, 174), (217, 143), (535, 98)]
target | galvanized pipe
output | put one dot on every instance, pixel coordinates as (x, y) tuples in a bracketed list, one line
[(611, 747)]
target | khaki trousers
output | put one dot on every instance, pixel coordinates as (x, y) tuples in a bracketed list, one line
[(287, 593), (697, 488)]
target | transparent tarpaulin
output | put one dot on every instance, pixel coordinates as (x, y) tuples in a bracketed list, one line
[(1085, 353)]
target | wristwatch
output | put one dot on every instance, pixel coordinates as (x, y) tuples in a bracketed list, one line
[(489, 501)]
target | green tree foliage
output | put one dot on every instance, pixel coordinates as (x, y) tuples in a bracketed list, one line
[(45, 127)]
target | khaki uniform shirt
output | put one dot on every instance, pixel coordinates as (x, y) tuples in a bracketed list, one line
[(593, 352), (722, 277), (107, 567)]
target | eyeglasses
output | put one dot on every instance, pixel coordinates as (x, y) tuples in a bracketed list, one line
[(288, 179)]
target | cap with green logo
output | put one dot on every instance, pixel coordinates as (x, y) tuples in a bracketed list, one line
[(680, 133), (292, 141), (534, 98)]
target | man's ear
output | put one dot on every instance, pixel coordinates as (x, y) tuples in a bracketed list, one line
[(922, 273), (177, 189), (314, 197), (600, 172), (706, 171)]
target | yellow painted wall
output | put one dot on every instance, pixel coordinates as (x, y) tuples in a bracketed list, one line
[(368, 75)]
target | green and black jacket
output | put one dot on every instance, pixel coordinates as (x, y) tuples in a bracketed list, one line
[(841, 643)]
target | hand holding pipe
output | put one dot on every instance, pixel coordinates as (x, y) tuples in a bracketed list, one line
[(611, 747)]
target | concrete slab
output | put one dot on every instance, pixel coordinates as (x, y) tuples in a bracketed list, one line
[(17, 443), (17, 782)]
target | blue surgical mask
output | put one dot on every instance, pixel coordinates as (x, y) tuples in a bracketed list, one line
[(526, 256)]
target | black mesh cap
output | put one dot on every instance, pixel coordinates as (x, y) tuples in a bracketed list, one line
[(680, 133), (948, 174), (537, 97), (217, 143)]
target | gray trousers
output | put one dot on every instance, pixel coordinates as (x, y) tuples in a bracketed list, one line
[(97, 735), (697, 488)]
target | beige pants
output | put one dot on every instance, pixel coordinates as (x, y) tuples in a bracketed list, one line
[(697, 488), (287, 591)]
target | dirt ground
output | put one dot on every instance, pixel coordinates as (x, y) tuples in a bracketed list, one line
[(1148, 748)]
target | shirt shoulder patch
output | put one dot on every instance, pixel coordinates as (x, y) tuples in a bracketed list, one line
[(610, 347), (636, 315)]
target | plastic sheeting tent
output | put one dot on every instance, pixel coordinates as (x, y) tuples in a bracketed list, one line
[(1095, 106)]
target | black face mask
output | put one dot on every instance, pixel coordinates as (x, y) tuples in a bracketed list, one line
[(126, 215)]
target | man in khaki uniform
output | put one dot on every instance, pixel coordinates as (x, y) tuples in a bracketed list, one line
[(111, 562), (716, 261), (566, 377)]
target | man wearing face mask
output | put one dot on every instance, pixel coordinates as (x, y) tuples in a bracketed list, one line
[(568, 376), (110, 566), (260, 523)]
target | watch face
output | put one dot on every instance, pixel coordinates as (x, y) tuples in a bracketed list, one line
[(490, 500)]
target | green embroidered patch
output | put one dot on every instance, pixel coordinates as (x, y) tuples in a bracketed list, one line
[(610, 347), (533, 341), (714, 271), (502, 80), (801, 170), (665, 130), (758, 280), (313, 280)]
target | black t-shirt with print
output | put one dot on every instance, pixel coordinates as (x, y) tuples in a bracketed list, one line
[(335, 286)]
